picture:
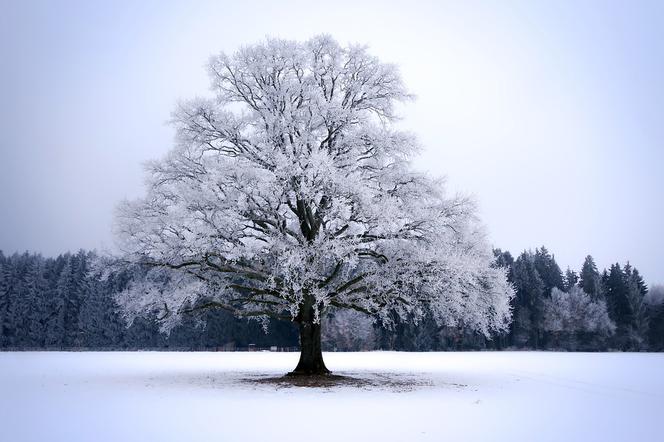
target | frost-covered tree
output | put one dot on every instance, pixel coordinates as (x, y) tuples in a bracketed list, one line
[(348, 330), (569, 315), (290, 192), (655, 295)]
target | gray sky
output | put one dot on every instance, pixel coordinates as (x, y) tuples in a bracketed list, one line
[(551, 115)]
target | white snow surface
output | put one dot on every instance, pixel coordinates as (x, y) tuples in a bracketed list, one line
[(155, 396)]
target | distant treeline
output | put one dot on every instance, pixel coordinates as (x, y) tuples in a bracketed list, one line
[(61, 303), (576, 311)]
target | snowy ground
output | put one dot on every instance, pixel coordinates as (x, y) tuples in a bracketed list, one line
[(412, 396)]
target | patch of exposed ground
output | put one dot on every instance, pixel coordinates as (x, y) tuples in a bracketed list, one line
[(396, 382)]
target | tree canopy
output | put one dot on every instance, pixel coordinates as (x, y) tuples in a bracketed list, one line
[(290, 192)]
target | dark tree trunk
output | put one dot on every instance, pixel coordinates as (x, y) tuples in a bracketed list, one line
[(311, 355)]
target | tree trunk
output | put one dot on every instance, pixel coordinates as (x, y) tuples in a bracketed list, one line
[(311, 355)]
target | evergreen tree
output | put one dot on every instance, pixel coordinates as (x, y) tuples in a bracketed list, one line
[(51, 321), (5, 275), (571, 279), (13, 328), (655, 309), (65, 305), (548, 270), (624, 290), (99, 323), (32, 305), (143, 334), (636, 292), (530, 292), (615, 291), (589, 278), (504, 260), (220, 330)]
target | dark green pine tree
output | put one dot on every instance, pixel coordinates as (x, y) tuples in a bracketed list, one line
[(634, 276), (589, 278), (636, 292), (99, 323), (615, 291), (219, 329), (527, 316), (144, 334), (52, 269), (33, 303), (655, 308), (13, 330), (548, 270), (72, 288), (7, 319), (55, 326), (188, 333), (22, 307), (571, 279), (4, 293), (504, 260)]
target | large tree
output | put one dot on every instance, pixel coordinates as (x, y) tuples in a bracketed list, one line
[(290, 192)]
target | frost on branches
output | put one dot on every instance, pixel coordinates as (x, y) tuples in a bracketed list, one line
[(290, 192), (574, 317)]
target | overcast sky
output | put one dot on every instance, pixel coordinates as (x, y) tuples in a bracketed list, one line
[(551, 115)]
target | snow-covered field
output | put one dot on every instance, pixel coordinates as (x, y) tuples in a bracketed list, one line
[(507, 396)]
